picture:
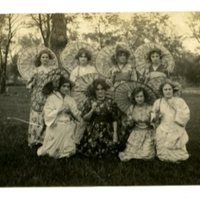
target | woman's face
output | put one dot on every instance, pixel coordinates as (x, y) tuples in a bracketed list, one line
[(139, 98), (155, 58), (83, 60), (44, 59), (100, 92), (167, 91), (65, 89), (122, 58)]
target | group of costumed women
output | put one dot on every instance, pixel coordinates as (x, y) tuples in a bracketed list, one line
[(111, 102)]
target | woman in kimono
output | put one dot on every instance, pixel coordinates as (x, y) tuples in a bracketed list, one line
[(140, 144), (100, 113), (156, 67), (121, 70), (83, 57), (172, 114), (41, 74), (60, 116)]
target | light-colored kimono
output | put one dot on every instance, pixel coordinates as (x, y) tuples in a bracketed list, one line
[(59, 138), (171, 136), (140, 144)]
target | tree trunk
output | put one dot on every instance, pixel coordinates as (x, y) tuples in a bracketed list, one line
[(3, 78), (58, 37)]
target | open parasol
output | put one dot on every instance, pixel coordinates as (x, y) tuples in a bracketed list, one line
[(104, 58), (123, 92), (26, 61), (155, 84), (142, 53), (79, 92), (69, 53)]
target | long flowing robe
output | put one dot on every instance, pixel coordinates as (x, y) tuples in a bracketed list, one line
[(36, 126), (140, 144), (171, 136), (59, 138)]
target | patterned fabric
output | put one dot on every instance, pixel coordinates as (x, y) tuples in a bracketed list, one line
[(140, 144), (171, 136), (119, 74), (98, 137), (42, 75)]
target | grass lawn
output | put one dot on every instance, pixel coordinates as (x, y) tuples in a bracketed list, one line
[(20, 166)]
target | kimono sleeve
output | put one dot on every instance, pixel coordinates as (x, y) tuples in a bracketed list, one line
[(87, 106), (50, 111), (73, 75), (182, 115), (73, 107), (155, 109), (114, 110)]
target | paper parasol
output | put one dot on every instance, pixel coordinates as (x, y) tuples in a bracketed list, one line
[(81, 87), (155, 84), (123, 93), (104, 58), (68, 60), (26, 61), (142, 53)]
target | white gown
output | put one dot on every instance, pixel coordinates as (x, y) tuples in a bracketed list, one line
[(171, 136), (59, 138)]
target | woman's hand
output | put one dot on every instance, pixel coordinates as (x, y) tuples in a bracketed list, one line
[(94, 106)]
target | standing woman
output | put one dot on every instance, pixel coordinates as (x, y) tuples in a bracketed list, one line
[(60, 116), (155, 60), (172, 115), (100, 113), (84, 67), (41, 74), (122, 70)]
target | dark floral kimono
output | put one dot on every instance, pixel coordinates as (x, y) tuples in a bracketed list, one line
[(98, 137)]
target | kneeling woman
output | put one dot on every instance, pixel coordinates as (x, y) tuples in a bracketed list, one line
[(60, 116), (140, 144), (100, 113)]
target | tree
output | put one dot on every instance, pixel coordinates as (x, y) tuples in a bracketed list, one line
[(152, 27), (58, 36), (43, 23), (105, 28), (9, 29), (194, 25)]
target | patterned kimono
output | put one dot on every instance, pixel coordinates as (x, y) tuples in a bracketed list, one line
[(171, 136), (98, 137), (59, 138), (36, 126), (140, 144), (122, 73)]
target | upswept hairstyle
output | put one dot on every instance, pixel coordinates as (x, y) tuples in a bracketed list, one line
[(119, 50), (84, 51), (38, 56), (174, 86), (91, 90), (158, 51), (138, 90)]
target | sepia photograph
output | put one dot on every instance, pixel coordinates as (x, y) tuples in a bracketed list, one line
[(99, 99)]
